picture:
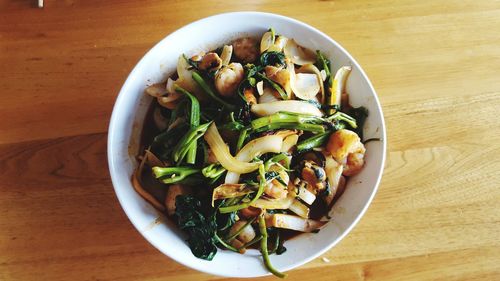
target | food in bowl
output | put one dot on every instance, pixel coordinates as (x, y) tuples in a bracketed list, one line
[(250, 144)]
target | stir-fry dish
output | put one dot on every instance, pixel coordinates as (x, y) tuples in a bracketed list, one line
[(249, 145)]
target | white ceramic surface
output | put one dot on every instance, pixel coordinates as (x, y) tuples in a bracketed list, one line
[(159, 62)]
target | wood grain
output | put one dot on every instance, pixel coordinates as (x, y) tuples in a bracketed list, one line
[(434, 65)]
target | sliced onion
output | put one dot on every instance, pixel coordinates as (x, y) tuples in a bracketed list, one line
[(333, 173), (289, 142), (305, 195), (293, 222), (167, 103), (298, 54), (186, 80), (226, 54), (260, 87), (170, 100), (266, 41), (156, 90), (260, 146), (311, 68), (171, 86), (221, 152), (281, 204), (294, 106), (306, 86), (279, 44), (285, 133), (268, 95), (224, 191), (253, 149), (338, 84), (299, 209), (137, 184)]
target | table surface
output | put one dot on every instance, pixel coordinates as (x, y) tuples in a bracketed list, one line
[(434, 64)]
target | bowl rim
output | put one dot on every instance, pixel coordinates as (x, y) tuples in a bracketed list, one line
[(124, 89)]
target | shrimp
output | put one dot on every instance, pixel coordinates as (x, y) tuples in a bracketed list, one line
[(354, 164), (228, 78), (246, 49), (278, 189), (346, 147)]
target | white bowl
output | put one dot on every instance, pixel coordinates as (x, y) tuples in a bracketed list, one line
[(159, 63)]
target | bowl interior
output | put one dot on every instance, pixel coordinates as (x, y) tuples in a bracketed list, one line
[(159, 63)]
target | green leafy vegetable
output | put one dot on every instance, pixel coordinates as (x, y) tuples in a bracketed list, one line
[(213, 171), (194, 115), (188, 140), (359, 114), (198, 79), (201, 229), (340, 116), (273, 59), (323, 64), (232, 125), (264, 251), (313, 142), (169, 175), (289, 120)]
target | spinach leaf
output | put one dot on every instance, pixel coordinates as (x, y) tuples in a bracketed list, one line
[(232, 124), (360, 114), (272, 58), (199, 227)]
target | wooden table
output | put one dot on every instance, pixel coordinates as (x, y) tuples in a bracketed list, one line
[(435, 65)]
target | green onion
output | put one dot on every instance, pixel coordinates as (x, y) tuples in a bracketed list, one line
[(226, 245), (276, 159), (198, 79), (313, 142), (194, 120), (263, 249), (341, 116), (171, 175), (241, 139), (255, 240), (213, 171), (188, 142), (289, 120), (304, 127), (232, 237)]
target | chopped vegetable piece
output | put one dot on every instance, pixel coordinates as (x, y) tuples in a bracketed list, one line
[(263, 248), (171, 175), (337, 87), (294, 222), (295, 106), (221, 151)]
